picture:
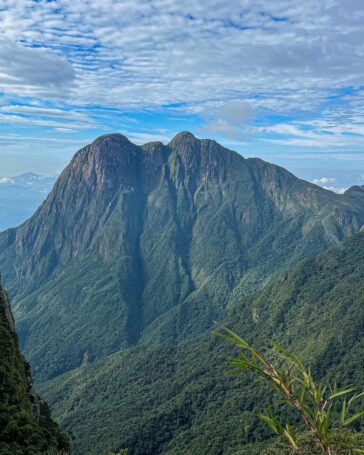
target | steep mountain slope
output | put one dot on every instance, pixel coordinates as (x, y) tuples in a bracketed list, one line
[(176, 399), (26, 427), (151, 244)]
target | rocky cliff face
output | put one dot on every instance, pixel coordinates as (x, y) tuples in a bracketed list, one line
[(26, 427), (151, 244)]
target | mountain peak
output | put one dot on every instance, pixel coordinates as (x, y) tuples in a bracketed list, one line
[(111, 136), (183, 136), (30, 175), (106, 154), (355, 189)]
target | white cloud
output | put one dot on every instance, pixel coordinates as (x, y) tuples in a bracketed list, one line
[(42, 111), (323, 180), (32, 70), (144, 137), (230, 119), (330, 131), (61, 120), (64, 130), (335, 189), (6, 181)]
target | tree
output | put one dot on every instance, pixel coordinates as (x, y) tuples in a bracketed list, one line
[(317, 405)]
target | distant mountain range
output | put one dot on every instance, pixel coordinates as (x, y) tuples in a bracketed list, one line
[(147, 246), (20, 196)]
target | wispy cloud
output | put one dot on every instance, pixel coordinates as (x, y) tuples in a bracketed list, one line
[(42, 111), (33, 71), (59, 119), (231, 119), (329, 183), (6, 181), (323, 181), (160, 52), (272, 75), (335, 189), (34, 121)]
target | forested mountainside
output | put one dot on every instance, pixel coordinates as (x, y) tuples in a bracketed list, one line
[(176, 399), (151, 244), (26, 427)]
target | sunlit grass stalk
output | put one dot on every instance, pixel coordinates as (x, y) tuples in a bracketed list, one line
[(313, 402)]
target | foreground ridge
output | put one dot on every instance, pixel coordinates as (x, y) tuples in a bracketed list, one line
[(26, 425)]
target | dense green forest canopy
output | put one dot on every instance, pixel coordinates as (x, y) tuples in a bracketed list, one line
[(177, 399)]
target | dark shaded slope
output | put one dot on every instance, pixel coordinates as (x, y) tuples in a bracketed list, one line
[(150, 244), (26, 427), (176, 400)]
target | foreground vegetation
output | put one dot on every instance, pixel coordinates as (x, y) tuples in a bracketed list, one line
[(315, 404)]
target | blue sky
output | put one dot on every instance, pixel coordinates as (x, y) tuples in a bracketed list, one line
[(282, 80)]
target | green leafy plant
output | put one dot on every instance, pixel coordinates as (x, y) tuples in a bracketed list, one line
[(316, 404)]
